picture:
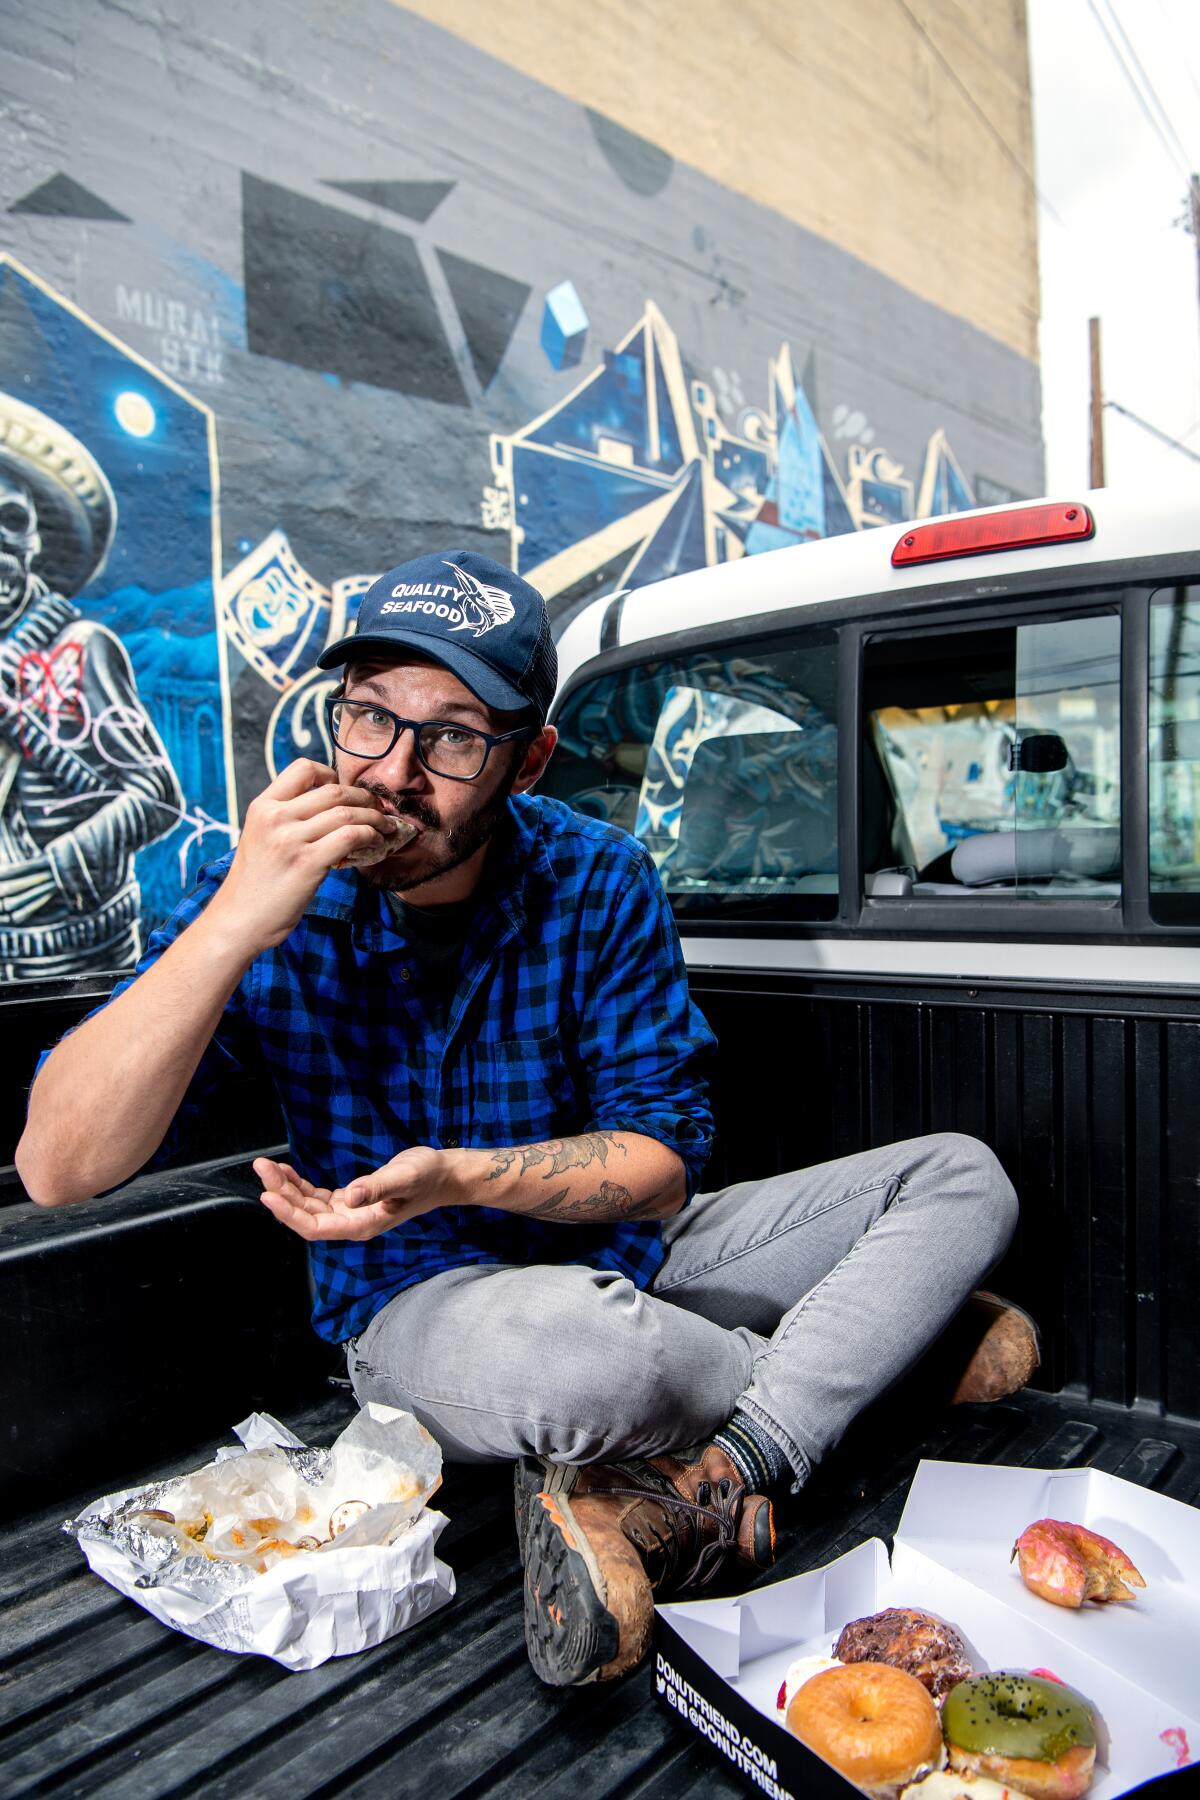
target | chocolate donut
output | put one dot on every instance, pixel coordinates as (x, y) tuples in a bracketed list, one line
[(907, 1639)]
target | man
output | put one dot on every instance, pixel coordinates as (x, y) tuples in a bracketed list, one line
[(493, 1079)]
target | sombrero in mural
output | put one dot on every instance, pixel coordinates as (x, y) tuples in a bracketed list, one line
[(76, 508)]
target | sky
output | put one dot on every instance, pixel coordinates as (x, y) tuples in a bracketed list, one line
[(1114, 249)]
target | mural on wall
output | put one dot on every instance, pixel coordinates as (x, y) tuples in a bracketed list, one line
[(110, 685), (634, 475), (579, 361)]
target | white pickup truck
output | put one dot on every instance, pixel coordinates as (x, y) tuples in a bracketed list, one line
[(925, 803)]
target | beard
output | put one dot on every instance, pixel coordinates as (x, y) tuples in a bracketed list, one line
[(451, 846)]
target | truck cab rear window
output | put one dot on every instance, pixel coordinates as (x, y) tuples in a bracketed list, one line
[(724, 765), (991, 762), (1175, 756)]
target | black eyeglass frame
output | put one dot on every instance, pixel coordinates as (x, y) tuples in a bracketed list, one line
[(416, 726)]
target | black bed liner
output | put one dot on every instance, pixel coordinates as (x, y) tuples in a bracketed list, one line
[(98, 1699)]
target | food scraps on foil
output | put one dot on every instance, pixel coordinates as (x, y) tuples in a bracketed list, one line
[(298, 1554)]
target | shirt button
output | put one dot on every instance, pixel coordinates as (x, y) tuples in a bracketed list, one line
[(453, 1143), (406, 975)]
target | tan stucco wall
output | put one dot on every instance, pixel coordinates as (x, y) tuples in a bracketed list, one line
[(837, 113)]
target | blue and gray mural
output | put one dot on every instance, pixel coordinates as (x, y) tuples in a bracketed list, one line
[(637, 475), (230, 394)]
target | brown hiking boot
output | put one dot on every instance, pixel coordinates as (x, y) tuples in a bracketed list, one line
[(602, 1541), (995, 1344)]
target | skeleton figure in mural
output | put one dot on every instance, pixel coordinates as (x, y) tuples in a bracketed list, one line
[(84, 779)]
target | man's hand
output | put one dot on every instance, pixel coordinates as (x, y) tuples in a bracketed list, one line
[(294, 833), (559, 1181), (416, 1181)]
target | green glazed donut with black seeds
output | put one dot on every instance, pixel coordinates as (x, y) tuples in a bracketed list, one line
[(1017, 1715)]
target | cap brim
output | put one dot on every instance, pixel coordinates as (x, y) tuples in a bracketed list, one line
[(474, 673)]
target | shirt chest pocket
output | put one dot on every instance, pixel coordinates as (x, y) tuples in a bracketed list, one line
[(521, 1092)]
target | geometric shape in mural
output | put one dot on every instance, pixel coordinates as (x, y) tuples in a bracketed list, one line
[(632, 411), (641, 165), (876, 489), (415, 199), (331, 292), (489, 305), (564, 326), (565, 499), (944, 487), (804, 499), (838, 518), (678, 543), (593, 481), (635, 475), (62, 198)]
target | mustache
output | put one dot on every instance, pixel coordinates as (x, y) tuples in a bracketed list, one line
[(405, 806)]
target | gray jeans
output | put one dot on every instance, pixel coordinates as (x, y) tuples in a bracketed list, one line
[(798, 1299)]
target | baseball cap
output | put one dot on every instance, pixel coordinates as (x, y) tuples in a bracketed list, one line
[(472, 615)]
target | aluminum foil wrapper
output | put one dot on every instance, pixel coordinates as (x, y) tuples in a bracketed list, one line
[(298, 1553)]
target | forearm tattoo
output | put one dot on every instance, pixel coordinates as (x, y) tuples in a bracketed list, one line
[(558, 1153), (610, 1201)]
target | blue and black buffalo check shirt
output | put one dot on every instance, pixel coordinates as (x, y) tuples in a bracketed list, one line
[(572, 1014)]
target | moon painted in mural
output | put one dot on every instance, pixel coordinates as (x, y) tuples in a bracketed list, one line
[(135, 413)]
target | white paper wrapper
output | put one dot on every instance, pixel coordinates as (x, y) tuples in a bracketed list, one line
[(222, 1582)]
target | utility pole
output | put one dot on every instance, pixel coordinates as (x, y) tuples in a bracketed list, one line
[(1194, 197), (1097, 466)]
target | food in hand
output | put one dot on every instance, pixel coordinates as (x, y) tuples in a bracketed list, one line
[(800, 1671), (906, 1639), (1068, 1564), (386, 844), (1037, 1736), (875, 1724)]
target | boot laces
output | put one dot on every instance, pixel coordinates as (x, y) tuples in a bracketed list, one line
[(724, 1511)]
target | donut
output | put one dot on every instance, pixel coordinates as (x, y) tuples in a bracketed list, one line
[(875, 1724), (800, 1671), (944, 1784), (910, 1640), (1039, 1736), (1068, 1564)]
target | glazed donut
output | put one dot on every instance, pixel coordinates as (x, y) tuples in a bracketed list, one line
[(875, 1724), (1040, 1736), (914, 1641)]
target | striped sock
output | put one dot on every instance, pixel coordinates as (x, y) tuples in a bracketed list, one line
[(756, 1457)]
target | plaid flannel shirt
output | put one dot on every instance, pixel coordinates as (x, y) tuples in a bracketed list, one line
[(572, 1014)]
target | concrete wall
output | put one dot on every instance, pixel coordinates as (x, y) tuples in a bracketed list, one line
[(290, 293), (899, 129)]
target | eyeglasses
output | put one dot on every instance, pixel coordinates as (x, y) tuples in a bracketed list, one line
[(361, 728)]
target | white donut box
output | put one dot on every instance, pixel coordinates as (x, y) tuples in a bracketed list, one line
[(719, 1664)]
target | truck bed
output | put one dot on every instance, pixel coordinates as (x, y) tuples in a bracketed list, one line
[(98, 1699)]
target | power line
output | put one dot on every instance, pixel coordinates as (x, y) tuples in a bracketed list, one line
[(1177, 44), (1153, 430), (1110, 40), (1149, 85), (973, 103)]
